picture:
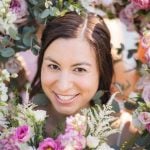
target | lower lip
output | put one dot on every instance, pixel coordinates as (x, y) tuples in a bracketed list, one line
[(65, 101)]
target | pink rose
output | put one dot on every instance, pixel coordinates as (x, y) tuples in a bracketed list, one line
[(22, 133), (146, 93), (47, 144), (144, 117), (142, 4), (19, 7), (148, 127)]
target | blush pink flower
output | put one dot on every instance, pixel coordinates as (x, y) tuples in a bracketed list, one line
[(8, 143), (148, 127), (77, 122), (22, 133), (144, 117), (72, 140), (146, 94), (126, 15), (48, 144), (147, 56), (142, 4), (145, 40), (19, 7)]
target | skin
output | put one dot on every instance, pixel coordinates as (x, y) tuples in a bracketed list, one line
[(69, 74)]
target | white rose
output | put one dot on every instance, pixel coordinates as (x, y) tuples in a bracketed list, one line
[(92, 142), (39, 115)]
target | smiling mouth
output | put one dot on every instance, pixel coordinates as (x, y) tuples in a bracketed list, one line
[(65, 99)]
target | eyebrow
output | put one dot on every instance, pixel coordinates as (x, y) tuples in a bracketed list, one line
[(77, 64)]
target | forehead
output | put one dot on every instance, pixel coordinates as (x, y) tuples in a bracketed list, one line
[(74, 48)]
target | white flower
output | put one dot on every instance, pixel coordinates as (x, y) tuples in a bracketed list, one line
[(6, 75), (92, 142), (107, 3), (69, 147), (3, 92), (25, 146), (14, 75), (3, 97), (104, 146), (3, 121), (39, 115)]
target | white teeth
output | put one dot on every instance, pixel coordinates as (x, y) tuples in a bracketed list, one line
[(65, 97)]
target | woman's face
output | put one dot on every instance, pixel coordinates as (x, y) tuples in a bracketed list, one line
[(69, 74)]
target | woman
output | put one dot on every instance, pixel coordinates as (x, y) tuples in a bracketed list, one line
[(74, 63)]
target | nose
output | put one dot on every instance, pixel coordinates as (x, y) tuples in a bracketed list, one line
[(64, 82)]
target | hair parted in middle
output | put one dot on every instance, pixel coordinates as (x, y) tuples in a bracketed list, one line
[(94, 30)]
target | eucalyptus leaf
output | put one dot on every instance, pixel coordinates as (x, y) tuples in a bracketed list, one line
[(45, 13), (7, 52), (13, 33), (27, 39), (5, 41), (34, 2)]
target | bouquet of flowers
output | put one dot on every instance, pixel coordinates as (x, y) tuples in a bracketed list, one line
[(22, 125), (141, 97)]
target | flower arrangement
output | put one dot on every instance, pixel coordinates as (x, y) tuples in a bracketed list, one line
[(22, 125), (141, 97)]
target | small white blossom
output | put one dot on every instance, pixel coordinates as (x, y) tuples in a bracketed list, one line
[(5, 75), (104, 146), (92, 142), (14, 75), (3, 97), (39, 115)]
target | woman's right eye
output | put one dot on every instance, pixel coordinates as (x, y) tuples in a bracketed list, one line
[(54, 67)]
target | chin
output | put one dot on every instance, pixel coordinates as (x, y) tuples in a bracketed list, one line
[(67, 112)]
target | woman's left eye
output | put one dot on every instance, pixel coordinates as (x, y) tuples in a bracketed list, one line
[(80, 70)]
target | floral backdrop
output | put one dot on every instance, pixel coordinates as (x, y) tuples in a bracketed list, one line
[(21, 19)]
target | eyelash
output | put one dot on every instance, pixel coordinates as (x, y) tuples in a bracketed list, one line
[(53, 67), (80, 70)]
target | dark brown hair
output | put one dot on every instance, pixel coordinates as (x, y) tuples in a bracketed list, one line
[(94, 30)]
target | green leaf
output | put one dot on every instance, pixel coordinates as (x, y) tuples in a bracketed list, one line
[(7, 52), (5, 41), (34, 2), (45, 13), (13, 33), (27, 39)]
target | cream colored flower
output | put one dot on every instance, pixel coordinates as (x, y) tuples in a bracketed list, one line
[(39, 115), (92, 142), (104, 146)]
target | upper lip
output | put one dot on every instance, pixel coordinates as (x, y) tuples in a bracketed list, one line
[(65, 94)]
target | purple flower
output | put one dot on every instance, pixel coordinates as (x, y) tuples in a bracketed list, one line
[(19, 7), (146, 94), (72, 140), (126, 15), (148, 127), (22, 133), (144, 117), (142, 4), (8, 143), (48, 144)]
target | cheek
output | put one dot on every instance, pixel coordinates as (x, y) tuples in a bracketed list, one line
[(89, 85)]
